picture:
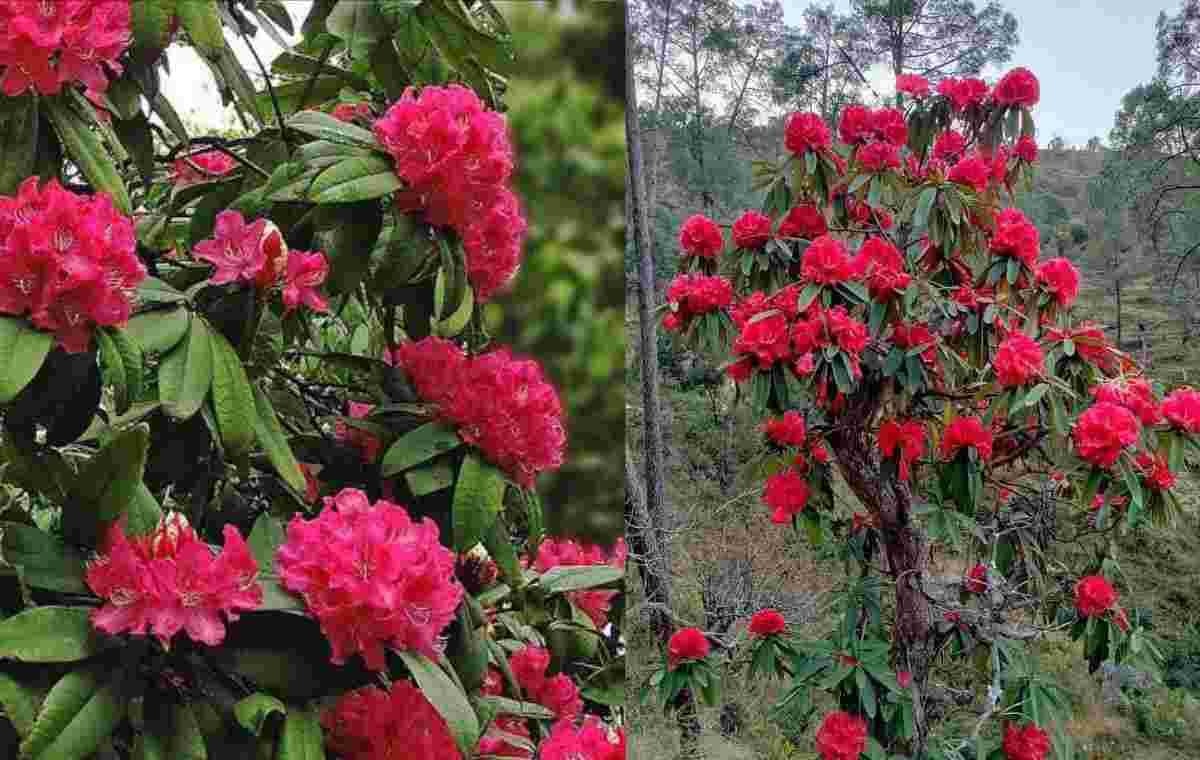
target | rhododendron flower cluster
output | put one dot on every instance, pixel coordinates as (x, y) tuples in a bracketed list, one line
[(1060, 278), (369, 446), (803, 221), (1094, 596), (695, 294), (557, 693), (1182, 410), (878, 157), (456, 159), (842, 736), (751, 230), (767, 622), (786, 431), (971, 171), (963, 93), (501, 404), (169, 580), (371, 576), (827, 262), (305, 271), (806, 131), (252, 253), (212, 164), (910, 335), (701, 237), (1156, 472), (860, 125), (1090, 345), (1016, 236), (882, 266), (373, 724), (1028, 743), (966, 432), (493, 743), (567, 553), (1133, 393), (68, 261), (1026, 149), (976, 581), (904, 440), (913, 84), (949, 146), (1018, 360), (46, 45), (1103, 431), (589, 741), (786, 493), (1018, 87), (685, 645)]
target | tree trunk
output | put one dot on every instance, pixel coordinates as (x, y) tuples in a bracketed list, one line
[(1118, 287), (656, 156), (650, 556)]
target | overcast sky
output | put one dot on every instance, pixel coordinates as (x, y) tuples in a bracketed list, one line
[(1086, 53)]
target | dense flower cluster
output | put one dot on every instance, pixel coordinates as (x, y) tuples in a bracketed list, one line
[(963, 93), (827, 262), (1094, 596), (786, 493), (751, 230), (694, 294), (860, 125), (701, 237), (971, 171), (567, 553), (806, 131), (589, 741), (1156, 472), (767, 623), (373, 724), (1182, 410), (842, 736), (1060, 278), (494, 744), (169, 580), (788, 430), (1026, 149), (881, 265), (904, 440), (803, 221), (46, 45), (1090, 345), (501, 404), (1016, 236), (948, 146), (966, 432), (686, 644), (456, 159), (69, 261), (371, 576), (1028, 743), (211, 163), (1103, 431), (910, 335), (557, 693), (1018, 360), (913, 84), (1018, 87), (1135, 394)]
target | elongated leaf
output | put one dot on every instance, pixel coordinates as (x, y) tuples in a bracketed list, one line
[(19, 703), (457, 322), (478, 500), (23, 350), (355, 179), (185, 374), (437, 476), (301, 738), (18, 145), (233, 399), (924, 204), (253, 711), (446, 698), (49, 634), (107, 485), (68, 729), (271, 438), (579, 577), (112, 368), (505, 706), (85, 149), (420, 445), (159, 331), (45, 561), (201, 19), (154, 290), (134, 364), (324, 127)]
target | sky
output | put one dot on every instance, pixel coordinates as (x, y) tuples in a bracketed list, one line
[(1086, 53)]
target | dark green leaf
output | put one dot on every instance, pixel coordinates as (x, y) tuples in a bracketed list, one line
[(106, 485), (271, 438), (44, 561), (185, 374), (478, 500), (446, 698), (233, 399), (420, 445), (579, 577), (355, 179), (85, 149), (23, 350), (301, 737), (253, 711), (49, 634)]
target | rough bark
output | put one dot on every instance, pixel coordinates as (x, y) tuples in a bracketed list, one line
[(650, 556)]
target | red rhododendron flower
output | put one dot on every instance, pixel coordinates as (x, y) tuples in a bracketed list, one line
[(1016, 236), (751, 230), (1028, 743), (494, 744), (456, 159), (700, 236), (821, 454), (882, 265), (1060, 278), (849, 334), (212, 164), (686, 644), (788, 430), (371, 576), (767, 623), (827, 261), (786, 493), (1094, 596), (1090, 345), (904, 678), (502, 405), (239, 250), (567, 553), (306, 270), (368, 445), (1018, 87), (878, 157), (803, 222), (976, 581), (806, 131), (46, 45), (350, 111), (966, 432), (557, 693), (69, 261), (963, 93), (1026, 149), (905, 440), (1018, 360), (766, 339), (855, 124), (889, 125), (971, 171), (1156, 473), (913, 84), (909, 335), (1133, 393), (1103, 431), (842, 736), (695, 294), (948, 146), (590, 741), (373, 724), (1182, 410), (169, 580)]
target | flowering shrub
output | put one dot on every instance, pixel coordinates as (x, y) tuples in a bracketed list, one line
[(49, 45)]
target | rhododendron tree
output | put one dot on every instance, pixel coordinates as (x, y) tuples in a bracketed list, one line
[(904, 322), (268, 485)]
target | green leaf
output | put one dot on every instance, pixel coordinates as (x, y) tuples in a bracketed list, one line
[(201, 19), (457, 38), (150, 22), (79, 713), (154, 290), (438, 476), (143, 513), (358, 178), (253, 711), (500, 546), (358, 24), (478, 500), (18, 144), (579, 577), (23, 350), (185, 374), (446, 698), (324, 127), (419, 445), (44, 561), (233, 399), (49, 634), (271, 437), (19, 704), (301, 738), (112, 368), (84, 148), (106, 485), (133, 363), (924, 204), (159, 331), (457, 322), (505, 706)]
